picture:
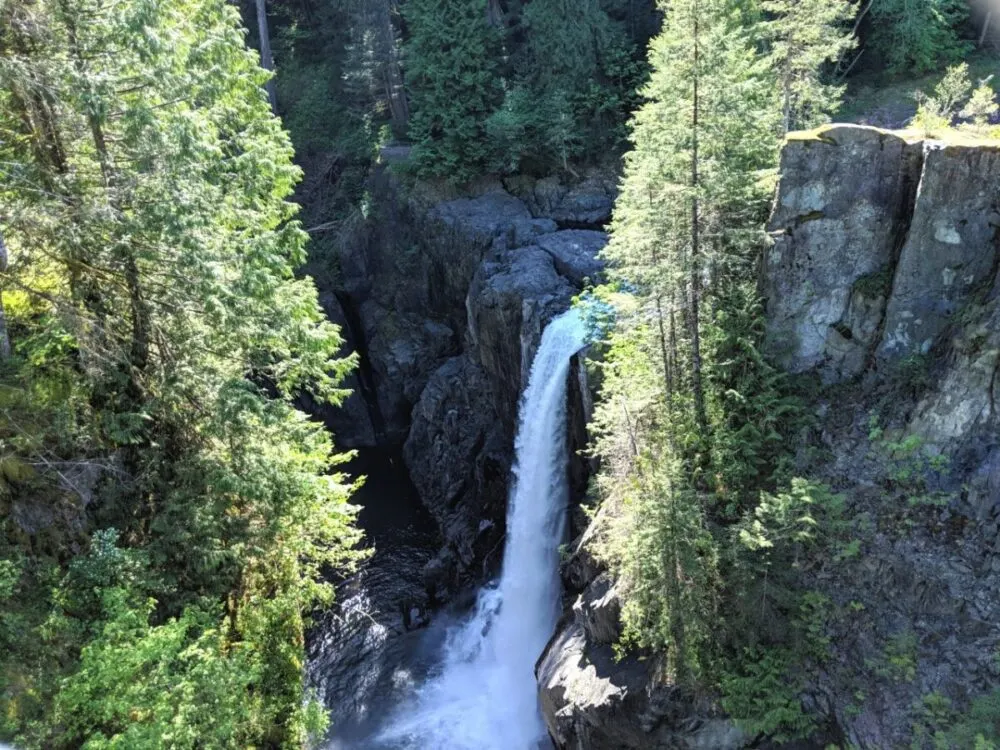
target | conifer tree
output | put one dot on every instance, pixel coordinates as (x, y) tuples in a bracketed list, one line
[(805, 37), (160, 339), (452, 74), (918, 37)]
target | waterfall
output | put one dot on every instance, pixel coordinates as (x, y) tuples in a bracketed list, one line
[(484, 696)]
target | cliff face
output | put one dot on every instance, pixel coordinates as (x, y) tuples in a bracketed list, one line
[(882, 285)]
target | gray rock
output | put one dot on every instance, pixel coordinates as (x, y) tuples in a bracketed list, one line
[(592, 701), (835, 226), (589, 202), (512, 298), (485, 217), (950, 249), (598, 610), (575, 254), (963, 397)]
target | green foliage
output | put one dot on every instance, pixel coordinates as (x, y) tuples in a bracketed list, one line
[(705, 527), (452, 73), (939, 726), (763, 700), (166, 510), (918, 37), (807, 36), (899, 661), (955, 98), (574, 82)]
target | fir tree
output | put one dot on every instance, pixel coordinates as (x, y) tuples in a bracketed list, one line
[(160, 338), (452, 74), (806, 36)]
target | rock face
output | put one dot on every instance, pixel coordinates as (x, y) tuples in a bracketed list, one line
[(883, 280), (875, 260), (447, 303), (951, 248), (593, 701), (836, 229)]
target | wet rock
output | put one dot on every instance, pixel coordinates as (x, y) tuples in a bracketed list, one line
[(592, 701)]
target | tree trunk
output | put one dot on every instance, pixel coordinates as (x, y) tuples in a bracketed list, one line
[(266, 60), (4, 335), (399, 108), (700, 414), (986, 27), (138, 355)]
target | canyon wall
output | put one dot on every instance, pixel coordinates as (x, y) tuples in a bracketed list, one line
[(882, 290)]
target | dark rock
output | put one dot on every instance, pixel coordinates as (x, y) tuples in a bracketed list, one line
[(589, 202), (351, 422), (575, 254), (459, 459), (512, 298), (592, 701)]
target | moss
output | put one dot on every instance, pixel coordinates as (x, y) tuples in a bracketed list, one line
[(873, 285), (811, 216), (819, 134)]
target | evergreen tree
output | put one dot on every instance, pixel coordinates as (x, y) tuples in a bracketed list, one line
[(686, 226), (573, 83), (918, 37), (452, 73), (806, 36), (160, 337)]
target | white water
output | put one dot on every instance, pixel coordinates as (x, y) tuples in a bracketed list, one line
[(485, 696)]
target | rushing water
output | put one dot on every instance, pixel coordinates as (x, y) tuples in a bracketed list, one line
[(483, 696)]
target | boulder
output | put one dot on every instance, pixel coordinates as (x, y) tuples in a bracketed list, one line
[(575, 254), (589, 202)]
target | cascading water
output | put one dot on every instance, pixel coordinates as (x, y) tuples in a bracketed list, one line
[(484, 696)]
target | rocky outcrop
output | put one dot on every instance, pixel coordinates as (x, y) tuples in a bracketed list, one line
[(458, 458), (952, 246), (447, 300), (593, 700), (875, 261), (586, 203), (883, 280), (836, 230)]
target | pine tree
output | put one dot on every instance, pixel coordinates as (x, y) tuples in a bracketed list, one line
[(805, 37), (452, 73)]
